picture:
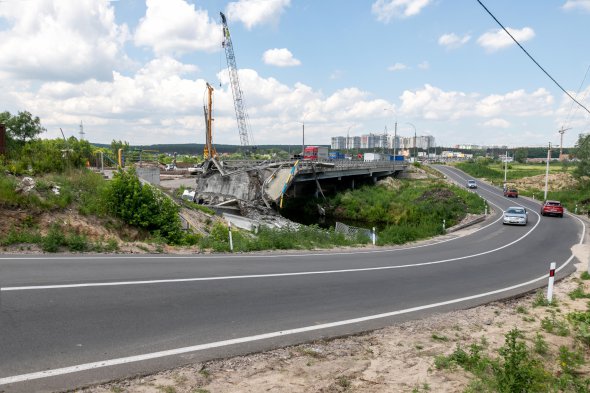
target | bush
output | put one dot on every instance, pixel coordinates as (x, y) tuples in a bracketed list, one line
[(54, 240), (144, 206)]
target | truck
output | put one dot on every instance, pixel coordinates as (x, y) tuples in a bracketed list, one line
[(314, 153), (372, 157), (336, 155)]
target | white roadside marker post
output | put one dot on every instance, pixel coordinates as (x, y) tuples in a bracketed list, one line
[(444, 225), (551, 281), (373, 236), (231, 242)]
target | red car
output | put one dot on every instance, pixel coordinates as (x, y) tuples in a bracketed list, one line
[(552, 208), (511, 193)]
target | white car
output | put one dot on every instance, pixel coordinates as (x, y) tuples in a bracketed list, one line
[(515, 215), (471, 184)]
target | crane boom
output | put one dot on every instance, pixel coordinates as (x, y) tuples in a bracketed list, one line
[(241, 115)]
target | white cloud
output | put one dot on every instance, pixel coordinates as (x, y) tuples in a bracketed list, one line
[(256, 12), (497, 123), (385, 10), (516, 103), (577, 4), (435, 104), (424, 65), (280, 58), (397, 67), (498, 39), (453, 41), (175, 27), (60, 40)]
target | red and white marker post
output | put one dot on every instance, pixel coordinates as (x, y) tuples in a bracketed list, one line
[(551, 281)]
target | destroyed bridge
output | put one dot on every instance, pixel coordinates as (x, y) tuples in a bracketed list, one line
[(269, 181)]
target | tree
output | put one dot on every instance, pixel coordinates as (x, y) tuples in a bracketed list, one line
[(23, 126), (116, 145), (520, 155), (582, 153)]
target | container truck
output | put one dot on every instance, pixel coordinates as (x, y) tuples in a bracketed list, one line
[(314, 153)]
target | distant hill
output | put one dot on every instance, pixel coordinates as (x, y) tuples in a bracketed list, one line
[(197, 148)]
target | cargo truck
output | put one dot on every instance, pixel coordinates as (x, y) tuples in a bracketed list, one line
[(314, 153)]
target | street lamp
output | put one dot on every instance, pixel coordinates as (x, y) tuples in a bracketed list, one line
[(394, 131), (415, 148), (303, 137)]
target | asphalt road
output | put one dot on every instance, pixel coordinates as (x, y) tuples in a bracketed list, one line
[(67, 321)]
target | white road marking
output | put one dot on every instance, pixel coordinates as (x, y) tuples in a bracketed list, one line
[(178, 280), (217, 344), (241, 340)]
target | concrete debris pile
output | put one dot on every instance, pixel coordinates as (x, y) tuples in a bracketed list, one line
[(241, 188), (26, 185)]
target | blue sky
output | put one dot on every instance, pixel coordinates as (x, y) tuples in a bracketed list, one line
[(136, 69)]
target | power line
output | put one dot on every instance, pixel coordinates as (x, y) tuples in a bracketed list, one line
[(531, 57)]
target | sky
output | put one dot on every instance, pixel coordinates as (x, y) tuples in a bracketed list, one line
[(136, 70)]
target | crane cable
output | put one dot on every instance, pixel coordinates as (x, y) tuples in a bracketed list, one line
[(531, 57)]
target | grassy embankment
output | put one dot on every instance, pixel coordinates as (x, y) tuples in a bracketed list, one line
[(413, 210), (406, 210), (532, 364), (570, 196)]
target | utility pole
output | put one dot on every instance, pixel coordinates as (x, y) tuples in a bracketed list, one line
[(562, 131), (547, 171), (505, 167)]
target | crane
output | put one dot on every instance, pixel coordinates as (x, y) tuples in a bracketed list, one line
[(241, 115), (209, 151)]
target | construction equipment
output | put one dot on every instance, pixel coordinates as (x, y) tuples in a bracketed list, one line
[(209, 151), (241, 115)]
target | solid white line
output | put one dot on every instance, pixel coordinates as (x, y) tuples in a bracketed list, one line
[(217, 344), (145, 282), (241, 340), (243, 256)]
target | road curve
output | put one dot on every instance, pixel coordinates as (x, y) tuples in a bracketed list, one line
[(67, 321)]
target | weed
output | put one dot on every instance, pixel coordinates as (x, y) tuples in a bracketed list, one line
[(424, 388), (419, 347), (437, 337), (313, 352), (117, 389), (579, 293), (77, 242), (541, 300), (569, 361), (540, 345), (522, 310), (166, 389), (442, 362), (54, 240), (343, 381), (205, 372), (200, 390), (555, 325), (585, 276), (518, 371)]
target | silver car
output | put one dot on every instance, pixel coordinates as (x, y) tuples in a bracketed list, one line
[(515, 215)]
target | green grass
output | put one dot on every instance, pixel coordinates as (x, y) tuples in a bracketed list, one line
[(494, 172), (518, 368), (414, 211)]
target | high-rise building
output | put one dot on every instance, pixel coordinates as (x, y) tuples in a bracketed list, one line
[(338, 143)]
